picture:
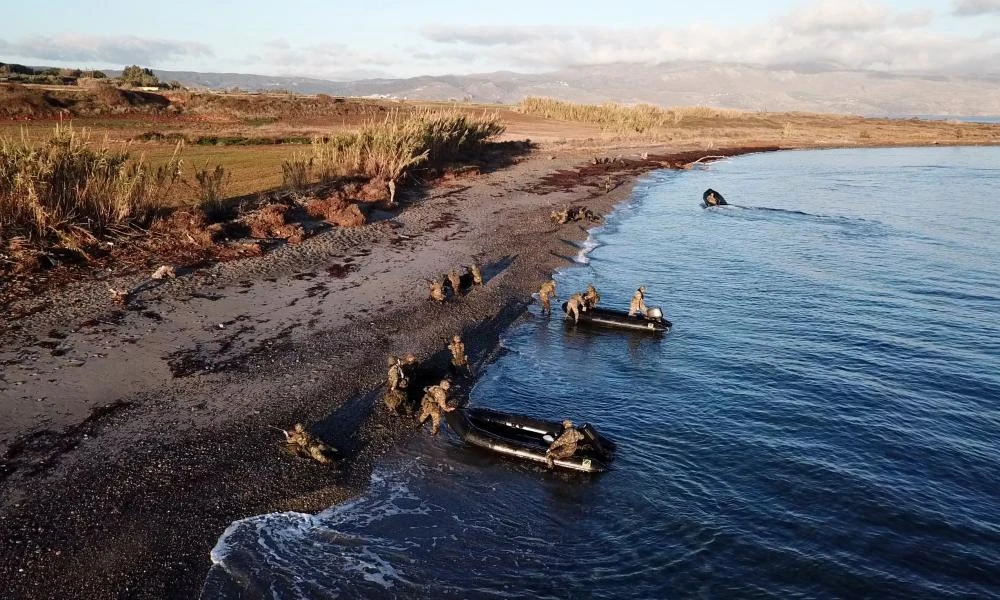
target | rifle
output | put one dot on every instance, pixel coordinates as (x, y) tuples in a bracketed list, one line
[(281, 430)]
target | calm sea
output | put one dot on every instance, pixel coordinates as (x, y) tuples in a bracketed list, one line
[(823, 421)]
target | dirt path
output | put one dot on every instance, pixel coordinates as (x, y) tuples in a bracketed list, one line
[(130, 438)]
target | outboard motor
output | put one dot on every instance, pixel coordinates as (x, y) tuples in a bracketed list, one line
[(590, 436), (654, 313)]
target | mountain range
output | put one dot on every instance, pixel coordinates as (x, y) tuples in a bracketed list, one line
[(803, 87)]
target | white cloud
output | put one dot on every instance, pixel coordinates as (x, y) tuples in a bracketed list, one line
[(853, 35), (971, 8), (122, 50), (834, 15)]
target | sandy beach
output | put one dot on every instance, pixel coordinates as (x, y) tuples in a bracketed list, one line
[(131, 437)]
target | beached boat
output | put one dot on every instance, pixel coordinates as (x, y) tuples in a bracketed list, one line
[(712, 198), (528, 438), (651, 322)]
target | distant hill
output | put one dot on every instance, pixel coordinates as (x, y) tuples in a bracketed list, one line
[(804, 87)]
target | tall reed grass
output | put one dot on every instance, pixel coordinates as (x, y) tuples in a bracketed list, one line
[(68, 190), (386, 148), (622, 118)]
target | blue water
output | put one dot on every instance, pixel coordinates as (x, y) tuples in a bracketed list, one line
[(823, 421)]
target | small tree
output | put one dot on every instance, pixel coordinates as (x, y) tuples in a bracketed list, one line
[(137, 76)]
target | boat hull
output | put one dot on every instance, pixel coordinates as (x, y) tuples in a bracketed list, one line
[(527, 438), (619, 319)]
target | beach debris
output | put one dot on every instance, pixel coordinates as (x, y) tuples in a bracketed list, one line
[(119, 297), (306, 445), (437, 290), (574, 213), (164, 272)]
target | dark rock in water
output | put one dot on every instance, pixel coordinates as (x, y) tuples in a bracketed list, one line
[(713, 198)]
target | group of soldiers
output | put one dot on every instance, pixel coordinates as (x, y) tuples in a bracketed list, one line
[(582, 302), (435, 399), (575, 213), (439, 288)]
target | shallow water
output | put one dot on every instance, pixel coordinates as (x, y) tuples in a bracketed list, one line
[(821, 422)]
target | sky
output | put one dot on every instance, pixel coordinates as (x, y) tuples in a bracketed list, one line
[(349, 40)]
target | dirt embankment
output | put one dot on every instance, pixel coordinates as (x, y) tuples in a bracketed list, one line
[(130, 437)]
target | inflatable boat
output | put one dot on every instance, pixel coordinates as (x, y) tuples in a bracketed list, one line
[(652, 321), (712, 198), (528, 438)]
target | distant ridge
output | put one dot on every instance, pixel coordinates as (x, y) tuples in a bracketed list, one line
[(810, 87)]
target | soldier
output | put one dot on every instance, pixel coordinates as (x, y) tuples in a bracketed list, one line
[(565, 445), (434, 401), (547, 290), (437, 290), (638, 303), (458, 358), (396, 384), (590, 297), (456, 281), (561, 216), (305, 444), (477, 275), (574, 306)]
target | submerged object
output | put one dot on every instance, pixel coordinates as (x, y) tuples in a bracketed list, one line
[(528, 438), (713, 198), (652, 321)]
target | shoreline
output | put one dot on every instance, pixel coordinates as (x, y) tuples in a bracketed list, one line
[(135, 440)]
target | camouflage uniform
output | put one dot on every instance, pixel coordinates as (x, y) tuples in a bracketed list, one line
[(306, 445), (547, 290), (437, 291), (638, 303), (396, 383), (458, 357), (565, 445), (435, 401), (590, 297), (477, 275), (456, 281), (574, 306), (561, 216)]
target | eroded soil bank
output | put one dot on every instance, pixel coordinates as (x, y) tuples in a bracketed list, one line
[(130, 437)]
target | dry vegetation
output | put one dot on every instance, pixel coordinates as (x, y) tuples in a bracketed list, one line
[(61, 190), (621, 118)]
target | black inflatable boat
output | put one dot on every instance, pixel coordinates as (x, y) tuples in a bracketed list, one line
[(528, 438), (610, 317), (712, 198)]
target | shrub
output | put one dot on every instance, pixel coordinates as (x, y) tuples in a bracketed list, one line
[(211, 187), (66, 189), (386, 148), (296, 174), (139, 77)]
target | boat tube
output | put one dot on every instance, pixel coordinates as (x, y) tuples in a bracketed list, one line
[(712, 198), (528, 438), (652, 321)]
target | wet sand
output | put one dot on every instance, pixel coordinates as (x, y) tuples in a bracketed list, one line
[(131, 437)]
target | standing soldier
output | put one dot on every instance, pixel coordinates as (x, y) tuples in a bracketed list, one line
[(437, 290), (590, 297), (435, 401), (565, 445), (548, 289), (456, 282), (574, 306), (638, 304), (477, 275), (458, 358), (396, 384)]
